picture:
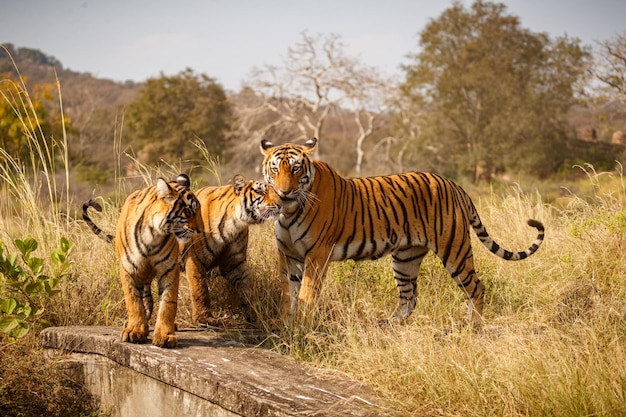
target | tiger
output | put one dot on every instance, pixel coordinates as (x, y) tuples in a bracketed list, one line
[(226, 213), (152, 223), (327, 217)]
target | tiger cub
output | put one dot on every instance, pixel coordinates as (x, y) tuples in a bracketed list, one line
[(326, 217), (152, 223), (226, 213)]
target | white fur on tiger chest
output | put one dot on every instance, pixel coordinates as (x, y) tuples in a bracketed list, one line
[(288, 244)]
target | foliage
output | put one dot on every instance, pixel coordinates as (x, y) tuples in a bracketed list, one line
[(27, 119), (171, 113), (26, 284), (496, 94)]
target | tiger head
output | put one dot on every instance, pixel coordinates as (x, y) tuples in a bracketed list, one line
[(288, 168), (181, 218), (259, 200)]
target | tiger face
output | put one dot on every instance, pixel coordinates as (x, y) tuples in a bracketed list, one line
[(259, 200), (288, 168), (177, 214)]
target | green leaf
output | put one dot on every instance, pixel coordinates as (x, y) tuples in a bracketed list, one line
[(66, 246), (8, 306), (11, 261), (58, 257), (8, 323), (20, 330), (34, 287), (50, 286), (24, 311), (26, 246), (35, 265)]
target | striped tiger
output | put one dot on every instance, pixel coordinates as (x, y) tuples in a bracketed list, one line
[(226, 212), (152, 223), (326, 217)]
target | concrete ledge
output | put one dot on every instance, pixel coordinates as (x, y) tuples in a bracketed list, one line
[(206, 375)]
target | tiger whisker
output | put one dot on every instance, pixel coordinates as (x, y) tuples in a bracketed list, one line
[(306, 199)]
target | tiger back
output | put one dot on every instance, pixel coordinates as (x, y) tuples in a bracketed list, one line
[(152, 223), (326, 217), (226, 214)]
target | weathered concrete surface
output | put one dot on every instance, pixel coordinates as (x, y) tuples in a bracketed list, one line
[(206, 375)]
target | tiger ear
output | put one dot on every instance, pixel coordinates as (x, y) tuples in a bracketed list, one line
[(183, 179), (239, 182), (266, 145), (164, 191), (310, 145)]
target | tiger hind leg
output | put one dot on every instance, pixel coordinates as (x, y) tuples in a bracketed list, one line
[(237, 273), (148, 302), (200, 297), (406, 264), (463, 273)]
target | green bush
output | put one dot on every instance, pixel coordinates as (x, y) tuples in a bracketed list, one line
[(26, 284)]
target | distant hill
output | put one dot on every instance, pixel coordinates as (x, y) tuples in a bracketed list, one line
[(82, 93), (94, 106)]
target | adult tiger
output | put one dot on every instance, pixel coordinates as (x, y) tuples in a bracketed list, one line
[(152, 223), (326, 217), (226, 212)]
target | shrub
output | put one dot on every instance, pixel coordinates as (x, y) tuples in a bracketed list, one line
[(26, 284)]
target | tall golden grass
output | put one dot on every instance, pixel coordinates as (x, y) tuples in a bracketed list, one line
[(554, 339)]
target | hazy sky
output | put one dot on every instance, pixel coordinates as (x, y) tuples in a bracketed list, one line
[(225, 39)]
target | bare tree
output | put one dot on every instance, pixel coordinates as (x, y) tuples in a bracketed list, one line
[(610, 65), (295, 100)]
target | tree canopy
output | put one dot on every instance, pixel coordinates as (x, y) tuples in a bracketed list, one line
[(494, 94), (173, 112), (28, 120)]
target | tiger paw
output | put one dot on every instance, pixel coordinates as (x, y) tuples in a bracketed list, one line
[(204, 317), (164, 340), (132, 336)]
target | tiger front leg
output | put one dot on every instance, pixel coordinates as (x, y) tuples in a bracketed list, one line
[(168, 301), (291, 270), (136, 328), (314, 272)]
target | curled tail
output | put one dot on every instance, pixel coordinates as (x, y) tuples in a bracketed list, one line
[(99, 232), (490, 244)]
